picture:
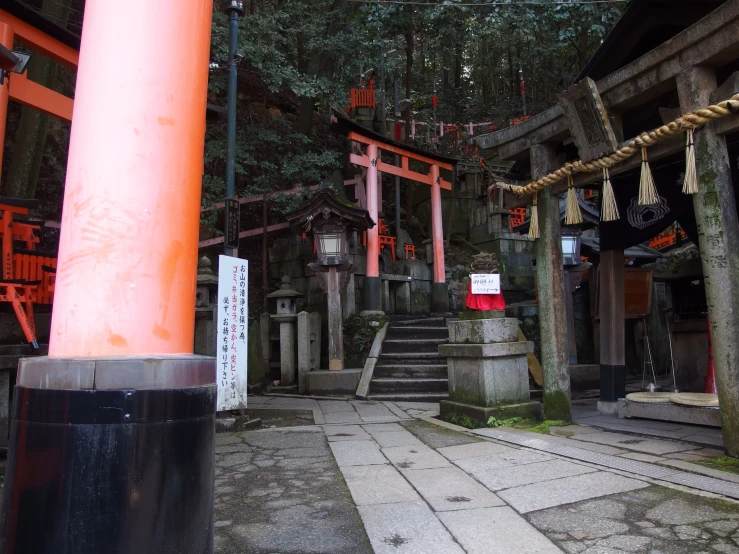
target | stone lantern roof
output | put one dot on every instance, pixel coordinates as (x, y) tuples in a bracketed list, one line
[(285, 291), (326, 205)]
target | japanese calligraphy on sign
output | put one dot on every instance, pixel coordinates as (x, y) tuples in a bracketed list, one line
[(485, 283), (232, 325)]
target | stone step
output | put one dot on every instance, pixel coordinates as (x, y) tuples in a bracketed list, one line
[(409, 397), (418, 321), (411, 358), (438, 371), (385, 385), (416, 332), (397, 346)]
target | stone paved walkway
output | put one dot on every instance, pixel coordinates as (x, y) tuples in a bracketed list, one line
[(420, 488)]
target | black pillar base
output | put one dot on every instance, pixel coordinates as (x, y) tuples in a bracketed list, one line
[(612, 382), (372, 298), (114, 455), (439, 298)]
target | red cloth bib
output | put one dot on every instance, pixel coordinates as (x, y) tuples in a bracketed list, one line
[(484, 302)]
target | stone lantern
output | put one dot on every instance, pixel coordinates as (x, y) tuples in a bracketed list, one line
[(286, 316), (331, 219)]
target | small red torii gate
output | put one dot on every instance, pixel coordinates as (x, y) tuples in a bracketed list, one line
[(372, 161)]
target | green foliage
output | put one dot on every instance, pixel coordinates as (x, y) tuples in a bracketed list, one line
[(723, 463), (493, 422), (462, 420), (545, 425), (359, 334)]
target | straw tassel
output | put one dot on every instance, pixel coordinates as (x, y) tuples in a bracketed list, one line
[(690, 185), (572, 209), (647, 190), (609, 209), (534, 224)]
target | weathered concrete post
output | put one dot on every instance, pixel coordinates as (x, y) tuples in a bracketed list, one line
[(335, 322), (718, 237), (550, 275), (304, 347)]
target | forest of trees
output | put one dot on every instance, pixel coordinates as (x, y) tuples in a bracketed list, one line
[(300, 57)]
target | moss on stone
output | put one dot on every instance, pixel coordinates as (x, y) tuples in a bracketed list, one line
[(557, 406)]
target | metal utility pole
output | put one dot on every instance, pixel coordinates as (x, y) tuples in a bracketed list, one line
[(397, 158), (234, 9)]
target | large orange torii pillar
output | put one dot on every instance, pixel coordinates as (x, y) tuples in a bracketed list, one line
[(133, 467)]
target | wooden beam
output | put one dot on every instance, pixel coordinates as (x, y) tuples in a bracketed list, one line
[(250, 199), (41, 42), (32, 94), (363, 161), (244, 234), (399, 151)]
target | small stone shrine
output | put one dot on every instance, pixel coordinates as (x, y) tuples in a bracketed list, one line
[(487, 365)]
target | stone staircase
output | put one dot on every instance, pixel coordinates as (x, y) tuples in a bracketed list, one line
[(410, 368)]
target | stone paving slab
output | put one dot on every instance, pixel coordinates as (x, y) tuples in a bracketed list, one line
[(378, 484), (396, 438), (342, 417), (639, 444), (516, 476), (696, 455), (422, 406), (450, 488), (372, 409), (496, 531), (494, 462), (330, 406), (280, 402), (473, 450), (592, 446), (641, 457), (406, 528), (374, 428), (357, 453), (567, 490), (414, 457), (258, 400), (345, 433)]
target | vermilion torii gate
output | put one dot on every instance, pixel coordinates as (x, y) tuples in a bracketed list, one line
[(371, 159)]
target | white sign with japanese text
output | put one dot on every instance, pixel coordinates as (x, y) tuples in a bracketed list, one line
[(233, 330), (485, 283)]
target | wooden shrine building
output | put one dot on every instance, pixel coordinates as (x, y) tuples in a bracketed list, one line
[(664, 59)]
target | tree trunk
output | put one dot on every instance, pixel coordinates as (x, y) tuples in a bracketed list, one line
[(265, 253), (409, 190), (33, 127), (408, 74)]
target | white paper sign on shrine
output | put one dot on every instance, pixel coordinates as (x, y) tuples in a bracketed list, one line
[(232, 325), (485, 283)]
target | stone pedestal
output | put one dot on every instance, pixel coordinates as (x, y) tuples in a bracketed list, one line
[(488, 370)]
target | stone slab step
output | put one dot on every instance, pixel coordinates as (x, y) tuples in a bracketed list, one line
[(409, 397), (398, 346), (422, 371), (385, 385), (419, 322), (417, 332), (411, 358)]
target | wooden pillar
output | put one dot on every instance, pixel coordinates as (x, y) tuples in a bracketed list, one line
[(439, 288), (718, 238), (570, 313), (6, 39), (372, 277), (128, 251), (335, 322), (550, 277), (612, 328)]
